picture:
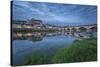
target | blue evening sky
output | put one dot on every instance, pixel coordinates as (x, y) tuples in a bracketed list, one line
[(52, 13)]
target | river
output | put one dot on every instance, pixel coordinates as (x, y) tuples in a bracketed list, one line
[(47, 45)]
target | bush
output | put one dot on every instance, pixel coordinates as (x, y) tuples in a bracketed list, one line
[(79, 51)]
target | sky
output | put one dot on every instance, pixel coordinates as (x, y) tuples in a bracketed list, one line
[(54, 13)]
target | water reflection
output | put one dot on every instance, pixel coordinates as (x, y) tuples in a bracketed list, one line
[(38, 36), (25, 44)]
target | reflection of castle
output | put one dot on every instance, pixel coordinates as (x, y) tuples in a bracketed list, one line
[(35, 30)]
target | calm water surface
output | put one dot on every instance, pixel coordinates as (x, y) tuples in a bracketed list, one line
[(47, 46)]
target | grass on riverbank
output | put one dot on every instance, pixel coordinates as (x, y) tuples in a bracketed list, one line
[(34, 59), (79, 51)]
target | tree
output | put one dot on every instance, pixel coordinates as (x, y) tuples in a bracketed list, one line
[(73, 29), (94, 28), (68, 29), (82, 29)]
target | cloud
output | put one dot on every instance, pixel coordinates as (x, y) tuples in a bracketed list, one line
[(54, 13)]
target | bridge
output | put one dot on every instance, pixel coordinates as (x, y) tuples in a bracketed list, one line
[(91, 27), (79, 28), (38, 25)]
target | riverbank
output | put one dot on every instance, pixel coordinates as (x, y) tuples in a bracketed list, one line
[(79, 51)]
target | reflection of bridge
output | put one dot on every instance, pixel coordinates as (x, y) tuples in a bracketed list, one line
[(35, 29), (38, 36)]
